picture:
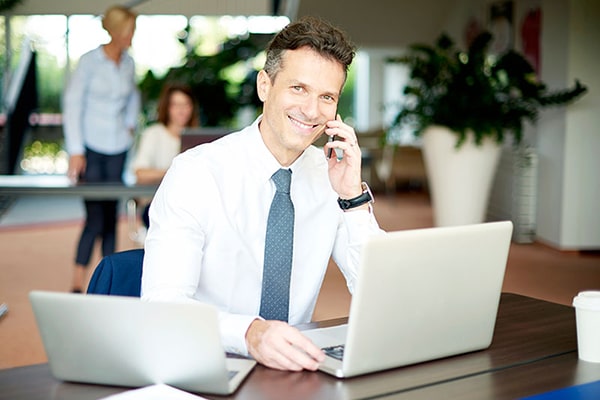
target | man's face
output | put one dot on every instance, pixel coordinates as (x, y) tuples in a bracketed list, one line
[(301, 99)]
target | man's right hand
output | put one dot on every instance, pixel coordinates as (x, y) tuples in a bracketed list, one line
[(278, 345)]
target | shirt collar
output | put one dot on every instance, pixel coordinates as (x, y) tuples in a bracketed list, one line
[(265, 162), (101, 54)]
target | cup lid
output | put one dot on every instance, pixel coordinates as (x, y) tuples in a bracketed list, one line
[(589, 300)]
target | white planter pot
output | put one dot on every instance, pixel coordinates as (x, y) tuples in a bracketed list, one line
[(460, 179)]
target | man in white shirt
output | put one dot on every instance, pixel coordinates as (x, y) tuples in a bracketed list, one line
[(209, 216)]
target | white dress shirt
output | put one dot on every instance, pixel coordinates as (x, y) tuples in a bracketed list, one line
[(208, 222)]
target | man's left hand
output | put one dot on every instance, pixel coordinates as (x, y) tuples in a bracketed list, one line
[(344, 173)]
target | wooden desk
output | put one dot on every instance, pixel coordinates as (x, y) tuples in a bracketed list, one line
[(531, 337), (516, 382), (46, 185)]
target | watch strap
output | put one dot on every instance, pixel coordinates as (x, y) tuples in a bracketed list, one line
[(365, 197)]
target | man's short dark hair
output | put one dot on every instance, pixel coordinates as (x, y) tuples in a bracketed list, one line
[(314, 33)]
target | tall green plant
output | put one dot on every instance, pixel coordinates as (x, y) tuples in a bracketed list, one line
[(474, 91)]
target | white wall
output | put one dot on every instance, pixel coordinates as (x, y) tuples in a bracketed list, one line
[(581, 208), (568, 139)]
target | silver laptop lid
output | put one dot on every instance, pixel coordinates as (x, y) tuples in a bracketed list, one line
[(126, 342), (424, 294)]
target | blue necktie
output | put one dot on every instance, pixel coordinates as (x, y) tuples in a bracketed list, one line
[(279, 240)]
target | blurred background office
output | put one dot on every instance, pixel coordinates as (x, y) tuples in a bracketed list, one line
[(217, 47)]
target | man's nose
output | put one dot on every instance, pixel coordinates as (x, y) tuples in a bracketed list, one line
[(310, 108)]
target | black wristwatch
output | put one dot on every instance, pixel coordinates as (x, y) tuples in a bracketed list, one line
[(365, 197)]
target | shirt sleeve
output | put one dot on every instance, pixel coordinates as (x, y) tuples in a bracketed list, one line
[(233, 328), (73, 104), (174, 250), (353, 231)]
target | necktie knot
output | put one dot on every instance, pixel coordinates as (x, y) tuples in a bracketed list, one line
[(282, 179)]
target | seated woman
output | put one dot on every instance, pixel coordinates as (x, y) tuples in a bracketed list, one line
[(161, 142)]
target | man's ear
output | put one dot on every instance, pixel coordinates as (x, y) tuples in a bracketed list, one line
[(263, 85)]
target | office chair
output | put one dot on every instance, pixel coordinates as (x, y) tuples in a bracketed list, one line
[(119, 274)]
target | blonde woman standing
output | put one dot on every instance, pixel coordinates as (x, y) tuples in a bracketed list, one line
[(100, 109)]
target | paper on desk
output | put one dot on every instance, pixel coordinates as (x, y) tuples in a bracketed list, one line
[(155, 392)]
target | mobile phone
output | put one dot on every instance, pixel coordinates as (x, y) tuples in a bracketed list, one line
[(331, 139)]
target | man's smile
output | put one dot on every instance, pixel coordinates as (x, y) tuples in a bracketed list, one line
[(309, 128)]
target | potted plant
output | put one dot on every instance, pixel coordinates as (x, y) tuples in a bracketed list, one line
[(464, 105)]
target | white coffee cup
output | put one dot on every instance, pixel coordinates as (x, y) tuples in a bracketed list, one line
[(587, 315)]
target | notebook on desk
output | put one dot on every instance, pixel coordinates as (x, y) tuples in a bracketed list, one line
[(123, 341), (421, 295)]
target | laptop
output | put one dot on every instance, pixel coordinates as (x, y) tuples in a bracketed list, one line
[(123, 341), (421, 295)]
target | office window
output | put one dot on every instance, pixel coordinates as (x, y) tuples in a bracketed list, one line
[(156, 45), (46, 35)]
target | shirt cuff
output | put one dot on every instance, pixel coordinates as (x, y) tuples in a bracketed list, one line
[(358, 222), (233, 332)]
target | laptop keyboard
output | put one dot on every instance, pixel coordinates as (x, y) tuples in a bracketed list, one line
[(336, 352)]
